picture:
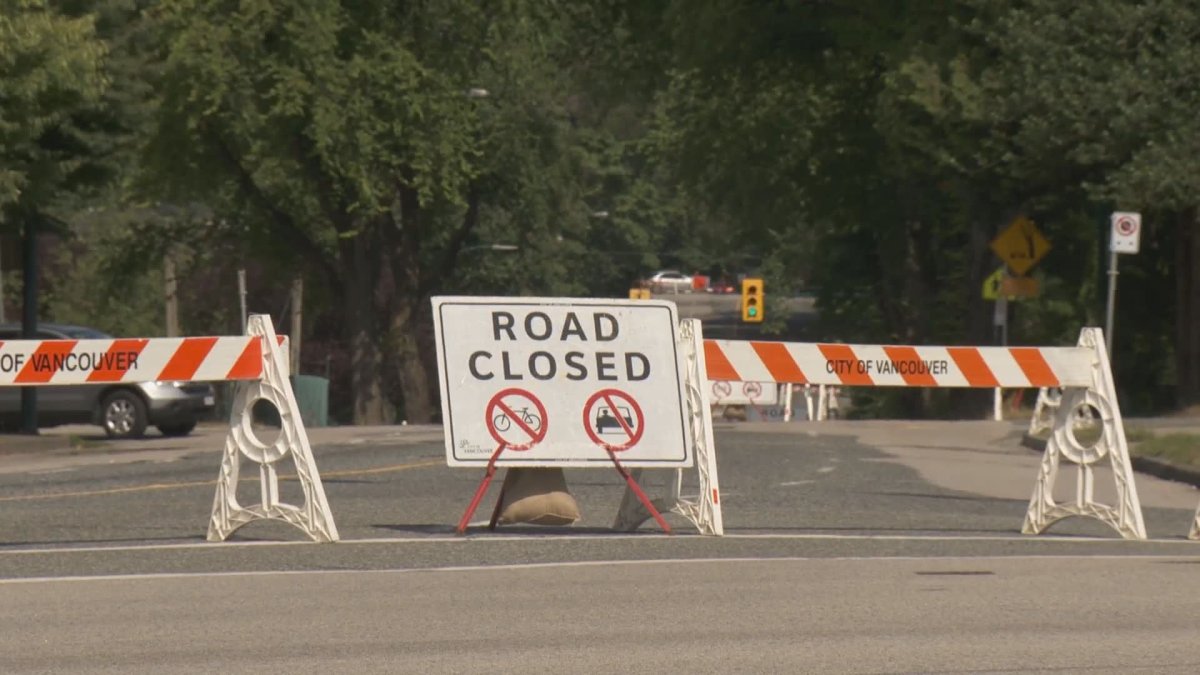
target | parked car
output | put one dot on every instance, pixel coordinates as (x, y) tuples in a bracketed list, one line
[(123, 409), (669, 281)]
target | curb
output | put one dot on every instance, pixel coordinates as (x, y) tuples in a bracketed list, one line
[(1146, 465)]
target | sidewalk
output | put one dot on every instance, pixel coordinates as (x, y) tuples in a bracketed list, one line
[(17, 444)]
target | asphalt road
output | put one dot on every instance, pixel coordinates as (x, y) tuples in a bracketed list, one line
[(851, 547)]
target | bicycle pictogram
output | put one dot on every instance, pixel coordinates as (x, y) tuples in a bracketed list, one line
[(502, 422), (516, 419)]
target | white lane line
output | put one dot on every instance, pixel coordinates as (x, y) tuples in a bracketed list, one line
[(826, 469), (592, 563), (793, 483), (566, 537)]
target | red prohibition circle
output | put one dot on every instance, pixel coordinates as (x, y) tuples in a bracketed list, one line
[(497, 409), (607, 396), (752, 386), (1126, 226), (722, 389)]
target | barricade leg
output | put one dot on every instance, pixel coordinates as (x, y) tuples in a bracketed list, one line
[(1043, 411), (314, 517), (1126, 516), (480, 492), (704, 511), (641, 496), (1195, 532)]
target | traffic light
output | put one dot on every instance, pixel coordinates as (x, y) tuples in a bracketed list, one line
[(752, 300)]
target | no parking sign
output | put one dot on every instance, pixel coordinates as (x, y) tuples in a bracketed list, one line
[(1126, 232)]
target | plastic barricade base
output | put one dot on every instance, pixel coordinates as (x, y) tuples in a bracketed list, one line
[(313, 517)]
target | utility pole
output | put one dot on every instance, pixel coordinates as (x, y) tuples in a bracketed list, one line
[(172, 296), (297, 304), (242, 296), (29, 316), (3, 318)]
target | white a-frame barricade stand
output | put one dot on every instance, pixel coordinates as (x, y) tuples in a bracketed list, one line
[(255, 361), (1082, 372), (574, 382), (1098, 392), (1195, 533), (314, 516), (703, 510)]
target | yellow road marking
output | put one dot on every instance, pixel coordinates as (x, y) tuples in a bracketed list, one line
[(171, 486)]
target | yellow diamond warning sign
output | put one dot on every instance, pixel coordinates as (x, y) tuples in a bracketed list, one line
[(1021, 245)]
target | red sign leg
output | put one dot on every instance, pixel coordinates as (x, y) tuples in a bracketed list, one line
[(481, 491), (638, 491)]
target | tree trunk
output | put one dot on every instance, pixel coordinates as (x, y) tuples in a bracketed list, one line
[(417, 382), (409, 314), (1187, 321), (360, 259)]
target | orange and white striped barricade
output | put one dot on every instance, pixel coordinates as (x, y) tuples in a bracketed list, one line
[(256, 362), (1082, 372)]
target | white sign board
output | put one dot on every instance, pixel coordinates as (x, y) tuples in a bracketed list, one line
[(560, 381), (721, 392), (1126, 232)]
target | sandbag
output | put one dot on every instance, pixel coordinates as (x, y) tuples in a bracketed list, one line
[(537, 496)]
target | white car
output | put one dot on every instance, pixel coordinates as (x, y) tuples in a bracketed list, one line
[(670, 281)]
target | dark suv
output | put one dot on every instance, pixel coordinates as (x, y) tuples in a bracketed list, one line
[(123, 409)]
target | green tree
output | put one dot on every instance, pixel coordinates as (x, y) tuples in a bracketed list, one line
[(51, 75), (1098, 101), (343, 137), (838, 137)]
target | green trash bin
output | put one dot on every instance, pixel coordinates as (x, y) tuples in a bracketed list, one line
[(312, 395)]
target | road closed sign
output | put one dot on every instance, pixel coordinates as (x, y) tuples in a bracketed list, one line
[(561, 382)]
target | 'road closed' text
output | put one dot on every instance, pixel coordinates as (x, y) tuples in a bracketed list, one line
[(575, 365)]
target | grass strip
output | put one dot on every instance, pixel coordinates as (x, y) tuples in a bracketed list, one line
[(1180, 449)]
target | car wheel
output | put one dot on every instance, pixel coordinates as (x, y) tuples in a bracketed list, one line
[(123, 415), (180, 429)]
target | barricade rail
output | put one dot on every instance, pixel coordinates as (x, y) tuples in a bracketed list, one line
[(256, 361), (1081, 372)]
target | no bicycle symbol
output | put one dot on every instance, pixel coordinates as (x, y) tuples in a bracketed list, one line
[(613, 413), (516, 419)]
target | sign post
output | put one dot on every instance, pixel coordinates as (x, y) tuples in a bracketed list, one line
[(1125, 238), (1020, 245)]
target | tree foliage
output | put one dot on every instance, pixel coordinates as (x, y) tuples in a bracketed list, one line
[(50, 74), (865, 150)]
